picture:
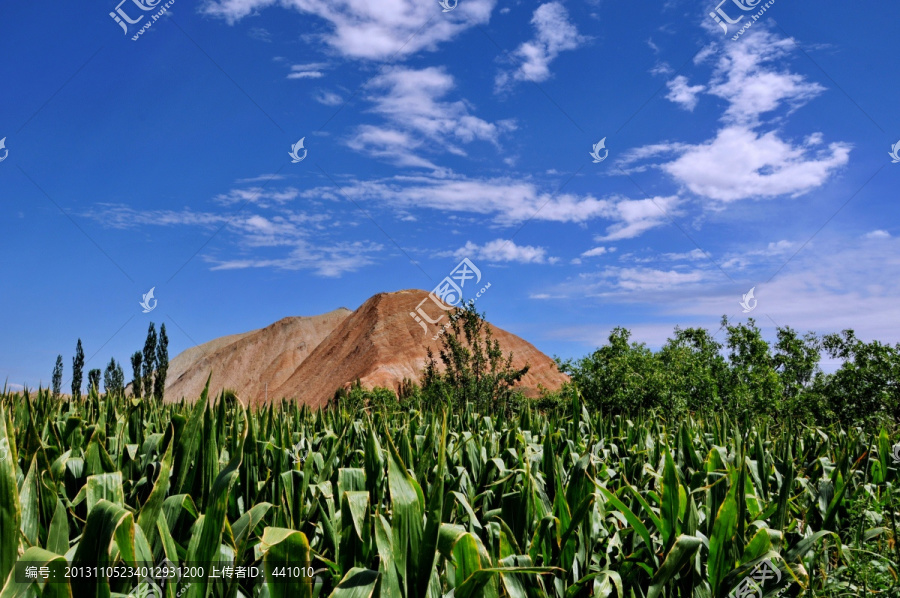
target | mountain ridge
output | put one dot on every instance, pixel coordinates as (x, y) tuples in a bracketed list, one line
[(308, 358)]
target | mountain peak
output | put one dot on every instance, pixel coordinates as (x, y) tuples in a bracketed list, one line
[(309, 358)]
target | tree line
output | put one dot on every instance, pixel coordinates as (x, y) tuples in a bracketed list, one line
[(733, 370), (149, 368), (744, 375)]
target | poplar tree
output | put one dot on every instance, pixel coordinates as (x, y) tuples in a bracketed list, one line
[(136, 385), (57, 376), (149, 359), (77, 370), (162, 363), (113, 377), (93, 380)]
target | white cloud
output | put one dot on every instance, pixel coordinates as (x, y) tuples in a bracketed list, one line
[(261, 34), (597, 251), (124, 217), (689, 256), (642, 279), (501, 250), (554, 33), (371, 29), (845, 283), (662, 69), (297, 233), (390, 144), (742, 259), (692, 255), (683, 94), (325, 260), (745, 77), (878, 234), (328, 98), (740, 163), (509, 201), (636, 216), (306, 75), (412, 102), (258, 195), (312, 70), (263, 178)]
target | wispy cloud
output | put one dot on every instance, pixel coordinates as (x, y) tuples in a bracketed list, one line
[(502, 250), (742, 161), (597, 251), (684, 94), (330, 261), (419, 118), (260, 196), (509, 201), (375, 29), (312, 70), (301, 234), (553, 33), (328, 98), (262, 178)]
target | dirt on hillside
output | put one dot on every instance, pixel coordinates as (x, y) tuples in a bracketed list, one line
[(309, 358)]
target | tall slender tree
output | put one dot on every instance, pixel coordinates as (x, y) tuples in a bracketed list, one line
[(57, 376), (113, 377), (93, 380), (162, 362), (136, 381), (77, 370), (149, 359), (120, 377)]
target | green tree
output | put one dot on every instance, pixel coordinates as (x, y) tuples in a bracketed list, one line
[(867, 385), (149, 359), (77, 370), (113, 378), (619, 377), (474, 368), (57, 376), (162, 362), (136, 381), (120, 377), (796, 359), (753, 387), (94, 380), (692, 372)]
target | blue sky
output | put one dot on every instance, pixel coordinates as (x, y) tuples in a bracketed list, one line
[(757, 162)]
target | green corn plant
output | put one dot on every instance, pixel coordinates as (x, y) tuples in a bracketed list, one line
[(423, 503)]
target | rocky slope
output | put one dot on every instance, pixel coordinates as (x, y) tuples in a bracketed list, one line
[(309, 358)]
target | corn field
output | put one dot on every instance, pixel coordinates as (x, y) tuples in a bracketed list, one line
[(411, 503)]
